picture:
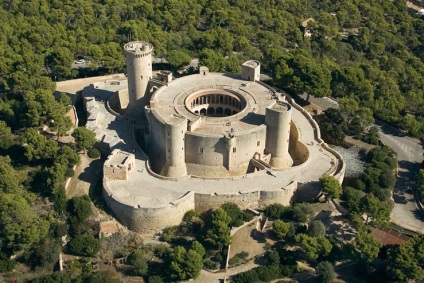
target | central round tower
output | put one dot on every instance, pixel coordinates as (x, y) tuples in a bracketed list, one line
[(138, 56)]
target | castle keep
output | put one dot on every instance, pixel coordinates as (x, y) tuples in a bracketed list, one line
[(201, 140)]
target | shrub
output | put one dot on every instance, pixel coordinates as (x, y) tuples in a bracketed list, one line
[(94, 153), (58, 229), (280, 228), (316, 229), (238, 259), (6, 264), (238, 223), (85, 245), (218, 258), (209, 264), (155, 279), (325, 272), (138, 260), (69, 172), (46, 254)]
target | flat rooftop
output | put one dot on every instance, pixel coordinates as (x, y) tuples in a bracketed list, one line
[(170, 100), (145, 190), (119, 158)]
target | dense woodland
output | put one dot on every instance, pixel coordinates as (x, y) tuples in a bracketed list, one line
[(368, 54), (370, 51)]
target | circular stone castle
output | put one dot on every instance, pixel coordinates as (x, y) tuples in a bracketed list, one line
[(199, 141)]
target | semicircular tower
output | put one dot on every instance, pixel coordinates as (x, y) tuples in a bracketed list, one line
[(278, 120)]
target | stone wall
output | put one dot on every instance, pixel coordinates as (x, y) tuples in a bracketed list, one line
[(298, 151), (245, 200), (219, 151), (149, 220), (283, 195)]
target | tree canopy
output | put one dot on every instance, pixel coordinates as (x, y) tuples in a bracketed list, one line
[(331, 186)]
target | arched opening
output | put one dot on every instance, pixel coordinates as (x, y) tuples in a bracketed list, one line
[(219, 111), (211, 111), (212, 104)]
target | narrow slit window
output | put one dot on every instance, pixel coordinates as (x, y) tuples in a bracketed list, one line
[(234, 149), (201, 150)]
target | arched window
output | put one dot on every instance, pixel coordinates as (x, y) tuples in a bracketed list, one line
[(219, 111)]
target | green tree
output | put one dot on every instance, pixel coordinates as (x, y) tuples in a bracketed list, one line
[(46, 254), (406, 260), (139, 262), (6, 135), (325, 272), (59, 62), (67, 155), (367, 245), (85, 245), (314, 247), (60, 124), (303, 212), (211, 59), (280, 228), (198, 248), (80, 208), (98, 276), (331, 186), (84, 138), (37, 146), (218, 230), (353, 199), (308, 75), (20, 226), (65, 100), (6, 264), (275, 211), (377, 210), (233, 211), (10, 180), (56, 277), (316, 229), (185, 264), (178, 58)]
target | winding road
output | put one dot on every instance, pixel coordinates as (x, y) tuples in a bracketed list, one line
[(410, 155)]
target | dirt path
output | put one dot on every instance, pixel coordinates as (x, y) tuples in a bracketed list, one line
[(86, 175), (208, 277), (243, 241)]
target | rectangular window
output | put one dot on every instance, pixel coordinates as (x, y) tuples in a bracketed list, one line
[(201, 150), (141, 77), (234, 149), (258, 143)]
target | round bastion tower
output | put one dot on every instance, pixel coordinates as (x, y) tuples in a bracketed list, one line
[(138, 56), (277, 120)]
